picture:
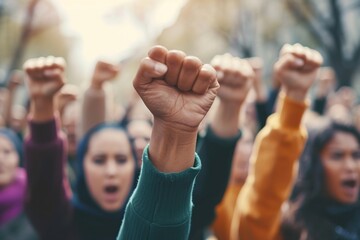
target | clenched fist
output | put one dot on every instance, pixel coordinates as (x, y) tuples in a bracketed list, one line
[(296, 69), (45, 77), (177, 89)]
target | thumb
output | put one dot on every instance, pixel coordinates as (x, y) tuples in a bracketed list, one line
[(148, 70)]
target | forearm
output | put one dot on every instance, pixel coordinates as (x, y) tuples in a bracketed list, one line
[(171, 149), (93, 110), (226, 119), (216, 154), (47, 204), (273, 169), (160, 207)]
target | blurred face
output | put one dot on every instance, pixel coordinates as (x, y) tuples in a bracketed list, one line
[(341, 162), (140, 133), (18, 118), (240, 166), (9, 161), (109, 168)]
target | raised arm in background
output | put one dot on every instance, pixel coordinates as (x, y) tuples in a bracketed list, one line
[(277, 147), (216, 149), (94, 103), (47, 204)]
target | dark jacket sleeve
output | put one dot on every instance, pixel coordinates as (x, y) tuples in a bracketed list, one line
[(271, 103), (319, 105), (261, 113), (160, 207), (47, 203), (216, 157)]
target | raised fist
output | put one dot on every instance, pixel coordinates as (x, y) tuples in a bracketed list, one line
[(45, 77), (296, 69), (235, 76), (177, 89), (103, 72)]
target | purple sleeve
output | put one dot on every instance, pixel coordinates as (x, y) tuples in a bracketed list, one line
[(47, 201)]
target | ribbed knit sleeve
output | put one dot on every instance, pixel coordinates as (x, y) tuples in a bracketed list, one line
[(161, 205)]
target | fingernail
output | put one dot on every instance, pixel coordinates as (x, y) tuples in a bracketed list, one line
[(160, 68)]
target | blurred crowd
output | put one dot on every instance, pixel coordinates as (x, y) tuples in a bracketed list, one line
[(201, 151)]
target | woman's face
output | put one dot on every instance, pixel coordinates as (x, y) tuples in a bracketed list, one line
[(109, 168), (9, 160), (341, 162), (140, 133)]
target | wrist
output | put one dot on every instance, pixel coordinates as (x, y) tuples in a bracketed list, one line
[(171, 149), (260, 94), (96, 85), (296, 95), (42, 110), (226, 120)]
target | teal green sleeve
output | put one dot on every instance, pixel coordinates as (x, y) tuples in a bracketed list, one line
[(161, 205)]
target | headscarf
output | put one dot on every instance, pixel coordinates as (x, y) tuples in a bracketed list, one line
[(91, 218), (12, 196), (14, 139)]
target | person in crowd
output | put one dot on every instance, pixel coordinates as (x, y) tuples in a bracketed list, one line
[(325, 89), (139, 131), (174, 137), (261, 95), (239, 172), (13, 222), (68, 107), (327, 206), (94, 107), (217, 147), (63, 219), (106, 165), (277, 147), (14, 115)]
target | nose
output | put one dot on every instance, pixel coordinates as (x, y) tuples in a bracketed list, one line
[(350, 164), (110, 169)]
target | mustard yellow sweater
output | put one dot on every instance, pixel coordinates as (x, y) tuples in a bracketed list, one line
[(224, 212), (273, 168)]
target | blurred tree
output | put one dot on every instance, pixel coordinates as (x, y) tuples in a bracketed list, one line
[(24, 37), (328, 25)]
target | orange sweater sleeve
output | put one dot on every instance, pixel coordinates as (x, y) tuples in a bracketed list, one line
[(273, 167), (224, 212)]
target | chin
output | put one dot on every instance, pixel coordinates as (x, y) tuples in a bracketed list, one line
[(349, 201), (111, 208)]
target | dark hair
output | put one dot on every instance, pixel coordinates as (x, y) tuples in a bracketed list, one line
[(302, 216), (312, 182)]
